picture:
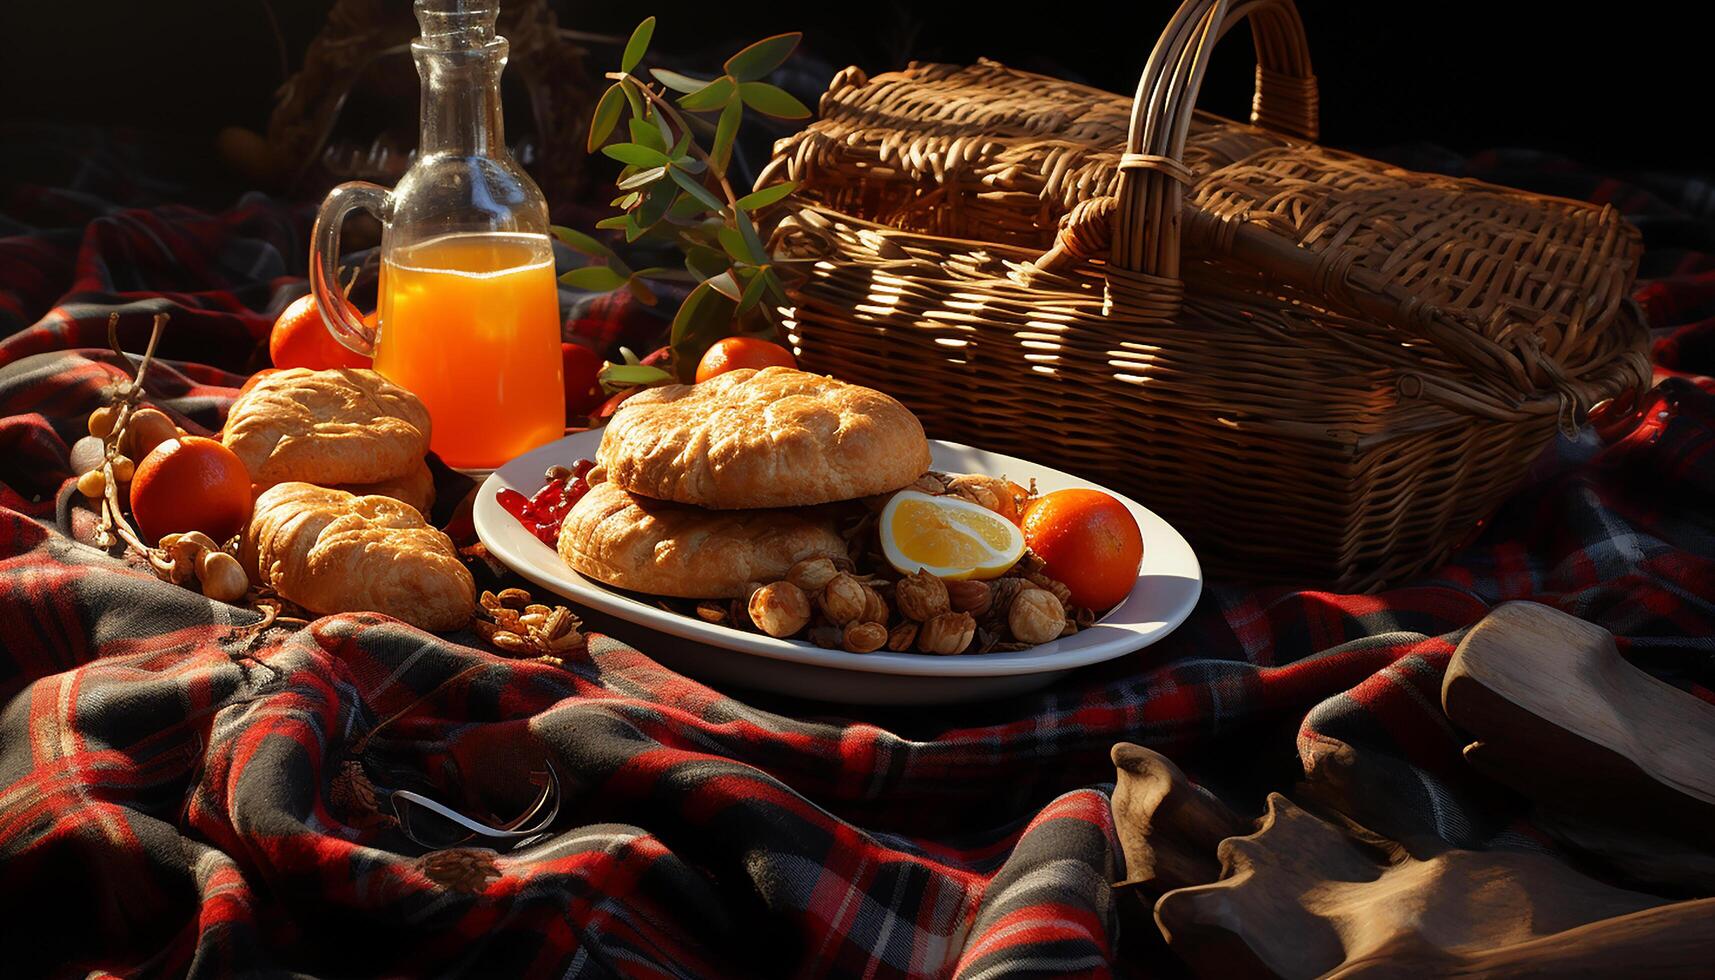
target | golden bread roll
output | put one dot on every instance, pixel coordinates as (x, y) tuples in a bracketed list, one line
[(771, 438), (416, 487), (664, 548), (329, 552), (347, 425)]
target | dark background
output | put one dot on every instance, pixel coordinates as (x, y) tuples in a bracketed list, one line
[(1624, 92)]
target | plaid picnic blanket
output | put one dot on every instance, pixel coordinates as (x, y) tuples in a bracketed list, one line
[(181, 792)]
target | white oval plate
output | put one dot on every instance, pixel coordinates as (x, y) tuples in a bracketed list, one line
[(1167, 588)]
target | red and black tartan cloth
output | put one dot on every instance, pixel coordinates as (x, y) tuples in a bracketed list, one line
[(179, 793)]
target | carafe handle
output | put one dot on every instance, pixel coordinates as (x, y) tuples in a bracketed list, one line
[(337, 313)]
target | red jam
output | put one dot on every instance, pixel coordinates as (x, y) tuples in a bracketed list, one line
[(542, 512)]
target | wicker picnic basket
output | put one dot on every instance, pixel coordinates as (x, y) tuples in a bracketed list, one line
[(1323, 368)]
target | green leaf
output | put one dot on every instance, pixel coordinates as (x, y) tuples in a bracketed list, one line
[(684, 209), (662, 272), (762, 57), (609, 224), (633, 96), (753, 291), (734, 244), (636, 154), (763, 198), (714, 95), (642, 178), (696, 189), (732, 240), (595, 278), (772, 100), (704, 262), (644, 134), (676, 81), (727, 284), (725, 131), (633, 228), (662, 128), (758, 251), (704, 317), (641, 290), (638, 44), (690, 165), (655, 203), (775, 289), (606, 117), (580, 242), (635, 374)]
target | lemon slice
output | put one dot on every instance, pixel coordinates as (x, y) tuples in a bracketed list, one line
[(948, 537)]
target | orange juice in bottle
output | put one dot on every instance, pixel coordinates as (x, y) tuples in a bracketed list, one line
[(470, 323), (469, 312)]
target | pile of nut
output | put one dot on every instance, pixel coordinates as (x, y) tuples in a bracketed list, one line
[(516, 624), (841, 609)]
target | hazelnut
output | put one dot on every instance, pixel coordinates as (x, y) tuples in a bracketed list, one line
[(843, 599), (781, 609), (921, 596), (988, 492), (1060, 589), (812, 574), (969, 595), (874, 607), (146, 429), (947, 634), (189, 546), (864, 637), (827, 637), (1002, 592), (1036, 616), (222, 578), (902, 636)]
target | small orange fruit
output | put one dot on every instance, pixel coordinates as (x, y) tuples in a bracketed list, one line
[(1089, 541), (742, 352), (258, 376), (300, 339), (191, 483)]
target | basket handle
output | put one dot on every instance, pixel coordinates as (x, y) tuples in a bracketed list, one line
[(1145, 212)]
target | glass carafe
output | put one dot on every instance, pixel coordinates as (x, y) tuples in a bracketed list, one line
[(469, 316)]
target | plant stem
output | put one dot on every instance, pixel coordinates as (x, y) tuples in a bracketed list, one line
[(684, 127)]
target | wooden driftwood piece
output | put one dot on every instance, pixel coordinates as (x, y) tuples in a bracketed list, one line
[(1168, 829), (1555, 713), (1305, 897)]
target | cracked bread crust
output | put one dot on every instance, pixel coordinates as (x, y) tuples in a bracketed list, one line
[(777, 437)]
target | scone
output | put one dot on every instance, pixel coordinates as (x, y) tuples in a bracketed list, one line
[(416, 487), (348, 425), (771, 438), (663, 548), (329, 552)]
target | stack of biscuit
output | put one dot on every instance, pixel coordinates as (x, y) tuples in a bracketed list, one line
[(702, 490), (347, 428), (337, 458)]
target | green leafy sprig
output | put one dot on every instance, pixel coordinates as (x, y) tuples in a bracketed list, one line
[(672, 188)]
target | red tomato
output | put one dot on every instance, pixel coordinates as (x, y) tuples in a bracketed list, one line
[(583, 388)]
